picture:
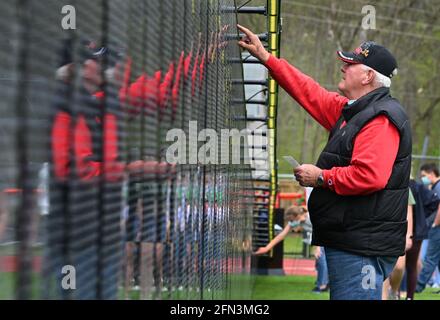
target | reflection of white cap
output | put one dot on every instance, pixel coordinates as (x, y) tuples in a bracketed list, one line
[(110, 75), (63, 73)]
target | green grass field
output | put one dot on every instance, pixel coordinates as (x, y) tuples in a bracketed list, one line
[(293, 245), (266, 287), (286, 288), (300, 288)]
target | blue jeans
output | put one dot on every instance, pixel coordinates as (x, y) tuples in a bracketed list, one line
[(355, 277), (321, 268), (435, 279), (431, 260)]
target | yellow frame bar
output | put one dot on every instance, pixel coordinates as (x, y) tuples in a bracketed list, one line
[(274, 36)]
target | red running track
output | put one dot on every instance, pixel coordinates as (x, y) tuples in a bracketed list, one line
[(299, 267), (10, 264)]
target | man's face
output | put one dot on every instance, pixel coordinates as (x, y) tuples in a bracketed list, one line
[(92, 72), (430, 175), (352, 77)]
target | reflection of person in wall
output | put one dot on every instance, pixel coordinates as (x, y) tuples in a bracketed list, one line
[(148, 96), (77, 162), (86, 165), (145, 97), (58, 218), (358, 207), (3, 215), (132, 235), (178, 235)]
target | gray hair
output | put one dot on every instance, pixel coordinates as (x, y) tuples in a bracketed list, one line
[(380, 80)]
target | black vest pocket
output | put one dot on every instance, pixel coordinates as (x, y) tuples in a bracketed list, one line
[(327, 210)]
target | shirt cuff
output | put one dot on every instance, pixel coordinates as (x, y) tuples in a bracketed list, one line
[(271, 63), (328, 180)]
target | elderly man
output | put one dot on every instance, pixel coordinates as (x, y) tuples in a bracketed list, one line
[(358, 206)]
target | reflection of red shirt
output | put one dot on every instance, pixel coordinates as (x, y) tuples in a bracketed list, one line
[(150, 92), (375, 146), (202, 71), (187, 63), (178, 78), (158, 90), (83, 147), (60, 144), (146, 92), (83, 150)]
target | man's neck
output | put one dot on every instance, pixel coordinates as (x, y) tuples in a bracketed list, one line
[(360, 93)]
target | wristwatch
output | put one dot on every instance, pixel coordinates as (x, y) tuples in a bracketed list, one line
[(320, 181)]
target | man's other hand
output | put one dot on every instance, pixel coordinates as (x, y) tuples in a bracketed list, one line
[(307, 175)]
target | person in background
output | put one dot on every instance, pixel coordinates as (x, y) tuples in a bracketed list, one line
[(322, 270), (430, 176), (295, 216), (390, 290), (426, 201), (319, 254)]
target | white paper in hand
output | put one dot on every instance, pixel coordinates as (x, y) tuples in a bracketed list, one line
[(292, 161)]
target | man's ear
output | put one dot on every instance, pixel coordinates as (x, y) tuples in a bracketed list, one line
[(369, 77)]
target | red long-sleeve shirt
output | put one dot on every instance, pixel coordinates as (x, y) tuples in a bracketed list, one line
[(375, 147), (87, 168), (83, 147), (60, 144)]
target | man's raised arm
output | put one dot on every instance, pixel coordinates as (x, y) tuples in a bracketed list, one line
[(324, 106)]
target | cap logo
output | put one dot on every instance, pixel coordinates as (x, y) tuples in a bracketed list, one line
[(358, 50), (365, 52)]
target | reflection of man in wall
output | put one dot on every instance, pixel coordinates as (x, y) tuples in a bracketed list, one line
[(156, 96), (57, 254), (75, 165), (143, 100), (88, 172)]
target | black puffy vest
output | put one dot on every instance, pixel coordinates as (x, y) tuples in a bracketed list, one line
[(368, 225)]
